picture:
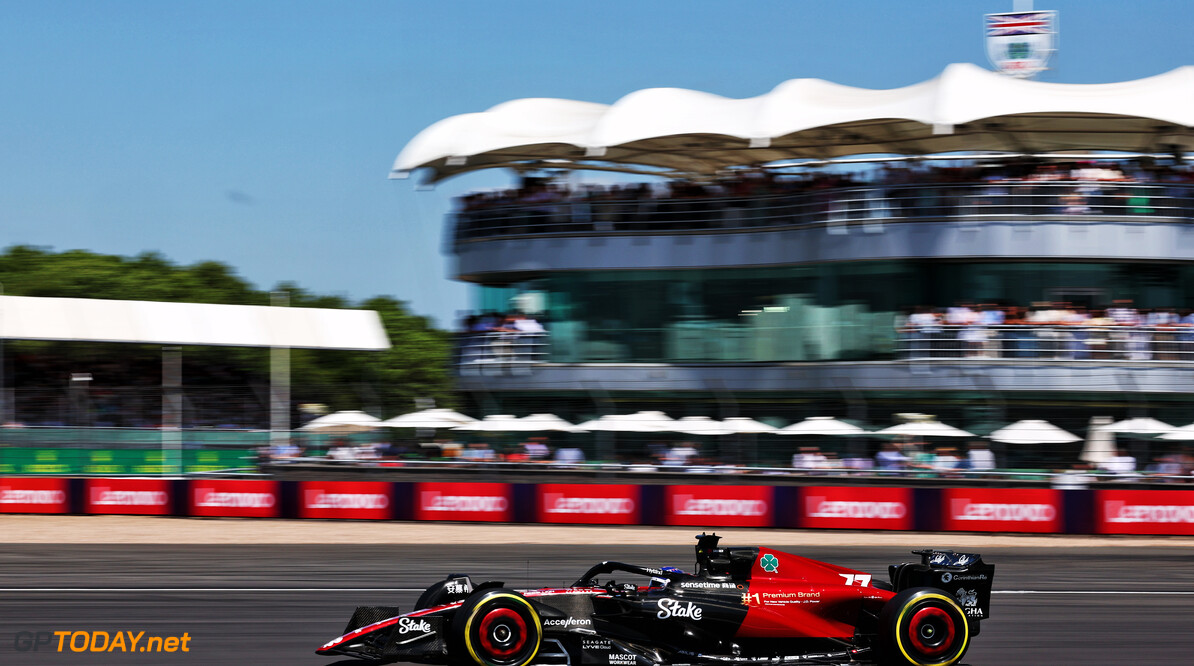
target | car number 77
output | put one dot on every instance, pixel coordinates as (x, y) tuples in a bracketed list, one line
[(860, 580)]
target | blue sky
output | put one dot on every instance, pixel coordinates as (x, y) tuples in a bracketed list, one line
[(260, 133)]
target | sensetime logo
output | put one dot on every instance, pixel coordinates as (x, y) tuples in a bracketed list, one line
[(98, 641)]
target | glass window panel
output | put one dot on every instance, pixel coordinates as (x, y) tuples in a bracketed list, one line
[(842, 312)]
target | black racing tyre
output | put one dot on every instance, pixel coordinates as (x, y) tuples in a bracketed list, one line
[(496, 627), (923, 626)]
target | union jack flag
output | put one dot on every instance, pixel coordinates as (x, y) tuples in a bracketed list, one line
[(1035, 23)]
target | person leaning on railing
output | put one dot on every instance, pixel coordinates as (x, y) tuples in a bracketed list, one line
[(890, 459), (1098, 335)]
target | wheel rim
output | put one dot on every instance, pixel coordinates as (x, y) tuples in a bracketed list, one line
[(931, 631), (503, 632)]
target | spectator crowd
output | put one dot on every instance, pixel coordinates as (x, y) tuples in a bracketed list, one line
[(1048, 330), (900, 457), (755, 196), (493, 337)]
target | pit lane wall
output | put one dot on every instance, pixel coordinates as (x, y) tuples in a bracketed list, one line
[(1004, 510)]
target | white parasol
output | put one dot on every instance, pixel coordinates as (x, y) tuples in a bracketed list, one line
[(822, 425), (1139, 426), (343, 422), (637, 422), (925, 429), (1184, 433), (429, 418), (495, 423), (1033, 432), (545, 422), (748, 426), (701, 425)]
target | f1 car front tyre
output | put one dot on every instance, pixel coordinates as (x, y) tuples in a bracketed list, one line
[(496, 627), (923, 626)]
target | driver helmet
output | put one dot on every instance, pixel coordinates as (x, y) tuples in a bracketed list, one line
[(658, 582)]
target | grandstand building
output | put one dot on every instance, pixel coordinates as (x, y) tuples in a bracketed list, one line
[(977, 247)]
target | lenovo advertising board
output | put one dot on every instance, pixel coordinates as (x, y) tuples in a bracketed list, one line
[(730, 506), (140, 497), (1144, 512), (33, 496), (593, 504), (235, 498), (855, 508), (1037, 510), (473, 502), (360, 500)]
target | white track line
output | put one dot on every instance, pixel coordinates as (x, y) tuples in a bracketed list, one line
[(210, 589), (419, 589), (1150, 593)]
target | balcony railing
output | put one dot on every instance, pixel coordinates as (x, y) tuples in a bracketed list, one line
[(1162, 344), (832, 208), (499, 353)]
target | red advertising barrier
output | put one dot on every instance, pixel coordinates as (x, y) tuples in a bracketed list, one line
[(33, 496), (365, 500), (855, 508), (139, 497), (1002, 510), (731, 506), (235, 498), (592, 504), (1144, 512), (474, 502)]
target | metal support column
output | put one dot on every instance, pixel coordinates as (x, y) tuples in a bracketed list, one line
[(172, 410), (279, 378)]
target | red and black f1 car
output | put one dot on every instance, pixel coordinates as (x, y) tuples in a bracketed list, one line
[(743, 606)]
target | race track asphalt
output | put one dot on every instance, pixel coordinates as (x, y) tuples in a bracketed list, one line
[(253, 604)]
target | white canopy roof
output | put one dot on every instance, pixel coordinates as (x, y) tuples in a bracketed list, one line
[(686, 131), (97, 320)]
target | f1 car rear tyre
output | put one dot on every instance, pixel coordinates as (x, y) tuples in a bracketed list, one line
[(923, 626), (496, 627)]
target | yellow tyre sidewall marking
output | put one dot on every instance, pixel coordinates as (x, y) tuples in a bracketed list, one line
[(904, 611), (468, 627)]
